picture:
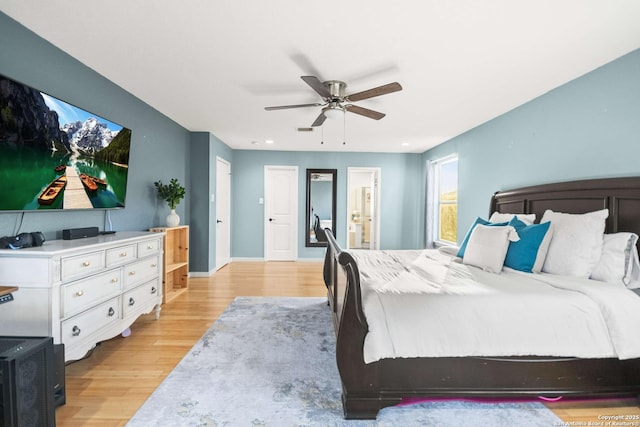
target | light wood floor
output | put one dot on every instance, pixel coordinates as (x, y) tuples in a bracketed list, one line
[(107, 388)]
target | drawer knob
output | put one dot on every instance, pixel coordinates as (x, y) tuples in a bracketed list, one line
[(75, 331), (150, 247), (111, 312), (123, 254), (132, 273), (86, 264), (131, 301), (114, 280), (79, 293), (153, 290), (154, 265)]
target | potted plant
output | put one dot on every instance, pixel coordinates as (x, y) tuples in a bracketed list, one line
[(171, 193)]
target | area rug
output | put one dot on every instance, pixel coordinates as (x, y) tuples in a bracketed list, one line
[(271, 362)]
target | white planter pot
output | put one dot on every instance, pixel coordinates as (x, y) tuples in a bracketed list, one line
[(173, 219)]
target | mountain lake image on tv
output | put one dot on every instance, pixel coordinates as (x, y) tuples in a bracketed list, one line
[(56, 156)]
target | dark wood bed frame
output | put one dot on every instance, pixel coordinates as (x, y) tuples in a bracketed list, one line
[(367, 388)]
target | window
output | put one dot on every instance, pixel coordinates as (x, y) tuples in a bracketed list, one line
[(443, 187)]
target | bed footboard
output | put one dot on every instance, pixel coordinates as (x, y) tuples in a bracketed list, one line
[(361, 387)]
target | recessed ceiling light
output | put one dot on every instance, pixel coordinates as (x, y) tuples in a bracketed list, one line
[(405, 144), (255, 142), (268, 141)]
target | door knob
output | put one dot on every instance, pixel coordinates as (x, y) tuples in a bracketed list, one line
[(218, 221)]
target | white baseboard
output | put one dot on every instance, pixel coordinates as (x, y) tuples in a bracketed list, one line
[(248, 259), (263, 260), (201, 273)]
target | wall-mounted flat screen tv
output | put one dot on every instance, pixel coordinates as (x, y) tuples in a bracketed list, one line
[(55, 156)]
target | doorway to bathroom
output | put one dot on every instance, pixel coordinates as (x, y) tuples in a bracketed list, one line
[(363, 208)]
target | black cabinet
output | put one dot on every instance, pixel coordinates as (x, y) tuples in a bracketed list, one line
[(28, 381)]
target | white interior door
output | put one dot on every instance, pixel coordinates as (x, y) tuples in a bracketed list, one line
[(223, 212), (281, 213)]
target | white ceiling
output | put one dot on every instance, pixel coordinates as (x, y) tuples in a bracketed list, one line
[(213, 65)]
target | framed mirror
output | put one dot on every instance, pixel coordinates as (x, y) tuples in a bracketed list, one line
[(321, 205)]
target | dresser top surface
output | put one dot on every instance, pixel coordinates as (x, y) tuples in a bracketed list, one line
[(60, 247), (5, 290)]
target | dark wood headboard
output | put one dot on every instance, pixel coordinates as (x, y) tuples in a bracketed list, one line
[(620, 195)]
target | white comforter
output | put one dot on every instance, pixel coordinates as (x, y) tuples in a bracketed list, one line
[(424, 304)]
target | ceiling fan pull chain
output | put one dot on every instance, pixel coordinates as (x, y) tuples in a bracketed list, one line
[(344, 129), (322, 135)]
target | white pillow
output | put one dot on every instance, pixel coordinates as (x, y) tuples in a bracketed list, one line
[(576, 244), (617, 258), (506, 217), (633, 281), (543, 250), (487, 246)]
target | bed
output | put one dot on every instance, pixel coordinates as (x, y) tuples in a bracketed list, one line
[(372, 384)]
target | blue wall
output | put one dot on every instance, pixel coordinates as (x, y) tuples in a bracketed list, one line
[(205, 148), (587, 128), (401, 196), (159, 147)]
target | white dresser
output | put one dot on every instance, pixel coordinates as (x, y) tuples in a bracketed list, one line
[(82, 291)]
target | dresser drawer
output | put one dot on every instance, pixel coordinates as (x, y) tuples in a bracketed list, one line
[(83, 325), (120, 255), (141, 271), (82, 294), (81, 265), (149, 247), (140, 297)]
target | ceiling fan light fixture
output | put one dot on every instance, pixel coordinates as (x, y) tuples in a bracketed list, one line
[(334, 112)]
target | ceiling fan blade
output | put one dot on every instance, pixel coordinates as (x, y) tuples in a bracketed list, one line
[(364, 112), (319, 120), (284, 107), (317, 85), (376, 91)]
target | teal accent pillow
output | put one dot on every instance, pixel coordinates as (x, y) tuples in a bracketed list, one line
[(478, 220), (522, 254)]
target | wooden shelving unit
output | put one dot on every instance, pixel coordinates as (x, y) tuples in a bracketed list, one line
[(175, 261)]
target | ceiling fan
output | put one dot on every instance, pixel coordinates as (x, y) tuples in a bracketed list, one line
[(335, 101)]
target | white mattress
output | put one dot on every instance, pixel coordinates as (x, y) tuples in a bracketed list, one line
[(424, 304)]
